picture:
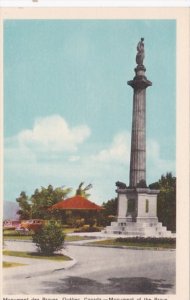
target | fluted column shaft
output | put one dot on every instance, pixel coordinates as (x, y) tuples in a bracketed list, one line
[(138, 139), (138, 134)]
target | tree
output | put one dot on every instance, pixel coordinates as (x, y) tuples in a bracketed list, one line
[(83, 191), (108, 213), (45, 198), (25, 207), (166, 204), (49, 238), (37, 205), (110, 207)]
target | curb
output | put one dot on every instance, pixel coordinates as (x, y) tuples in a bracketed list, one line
[(74, 262), (122, 247), (29, 274), (12, 240)]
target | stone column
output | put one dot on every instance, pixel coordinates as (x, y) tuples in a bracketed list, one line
[(138, 134)]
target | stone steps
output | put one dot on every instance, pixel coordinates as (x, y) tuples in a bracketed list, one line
[(139, 229)]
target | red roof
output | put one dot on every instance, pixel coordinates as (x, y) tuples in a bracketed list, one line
[(76, 202)]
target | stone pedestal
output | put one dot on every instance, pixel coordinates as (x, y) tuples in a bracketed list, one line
[(137, 205), (137, 214)]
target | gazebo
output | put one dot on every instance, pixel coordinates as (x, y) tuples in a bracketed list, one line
[(76, 203), (77, 207)]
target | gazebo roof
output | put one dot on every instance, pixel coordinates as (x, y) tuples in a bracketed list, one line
[(76, 202)]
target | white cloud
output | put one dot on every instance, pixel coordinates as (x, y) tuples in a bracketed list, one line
[(74, 158), (118, 151), (156, 164), (25, 169), (52, 134)]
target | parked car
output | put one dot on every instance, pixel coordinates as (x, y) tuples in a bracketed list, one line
[(10, 224), (32, 224), (22, 230)]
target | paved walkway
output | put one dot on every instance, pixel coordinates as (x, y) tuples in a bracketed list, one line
[(97, 271), (32, 266)]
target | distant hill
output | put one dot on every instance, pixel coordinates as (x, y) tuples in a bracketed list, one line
[(10, 210)]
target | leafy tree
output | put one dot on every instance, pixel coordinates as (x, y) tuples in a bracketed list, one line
[(108, 213), (110, 207), (49, 238), (45, 198), (37, 205), (25, 207), (83, 191), (166, 204), (142, 184)]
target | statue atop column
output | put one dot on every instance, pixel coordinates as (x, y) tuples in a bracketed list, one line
[(140, 52), (137, 203)]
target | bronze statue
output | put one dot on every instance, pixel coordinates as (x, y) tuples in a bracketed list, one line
[(140, 52), (121, 185)]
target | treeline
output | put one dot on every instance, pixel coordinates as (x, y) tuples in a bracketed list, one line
[(166, 204), (37, 205)]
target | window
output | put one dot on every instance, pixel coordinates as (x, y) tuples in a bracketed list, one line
[(147, 206), (131, 205)]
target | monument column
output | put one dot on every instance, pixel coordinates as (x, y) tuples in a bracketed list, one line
[(138, 134), (137, 203)]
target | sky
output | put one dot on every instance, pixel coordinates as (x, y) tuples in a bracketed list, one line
[(68, 108)]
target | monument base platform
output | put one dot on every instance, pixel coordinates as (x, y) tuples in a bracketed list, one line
[(137, 214), (148, 228)]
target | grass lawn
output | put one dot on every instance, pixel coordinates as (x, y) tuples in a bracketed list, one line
[(13, 235), (57, 257), (74, 238), (29, 238), (18, 237), (144, 244), (7, 264), (69, 230)]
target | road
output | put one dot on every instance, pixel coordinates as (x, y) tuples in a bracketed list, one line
[(98, 271)]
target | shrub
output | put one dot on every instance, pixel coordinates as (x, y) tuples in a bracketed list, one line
[(87, 228), (153, 240), (49, 238)]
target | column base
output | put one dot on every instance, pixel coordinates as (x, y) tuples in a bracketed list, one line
[(150, 220)]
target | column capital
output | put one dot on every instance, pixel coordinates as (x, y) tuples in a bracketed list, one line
[(139, 82)]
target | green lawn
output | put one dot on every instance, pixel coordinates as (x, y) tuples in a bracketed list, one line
[(7, 264), (13, 235), (69, 230), (14, 232), (29, 238), (18, 237), (73, 238), (36, 255), (139, 244)]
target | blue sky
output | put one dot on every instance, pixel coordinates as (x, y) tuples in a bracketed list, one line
[(68, 108)]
